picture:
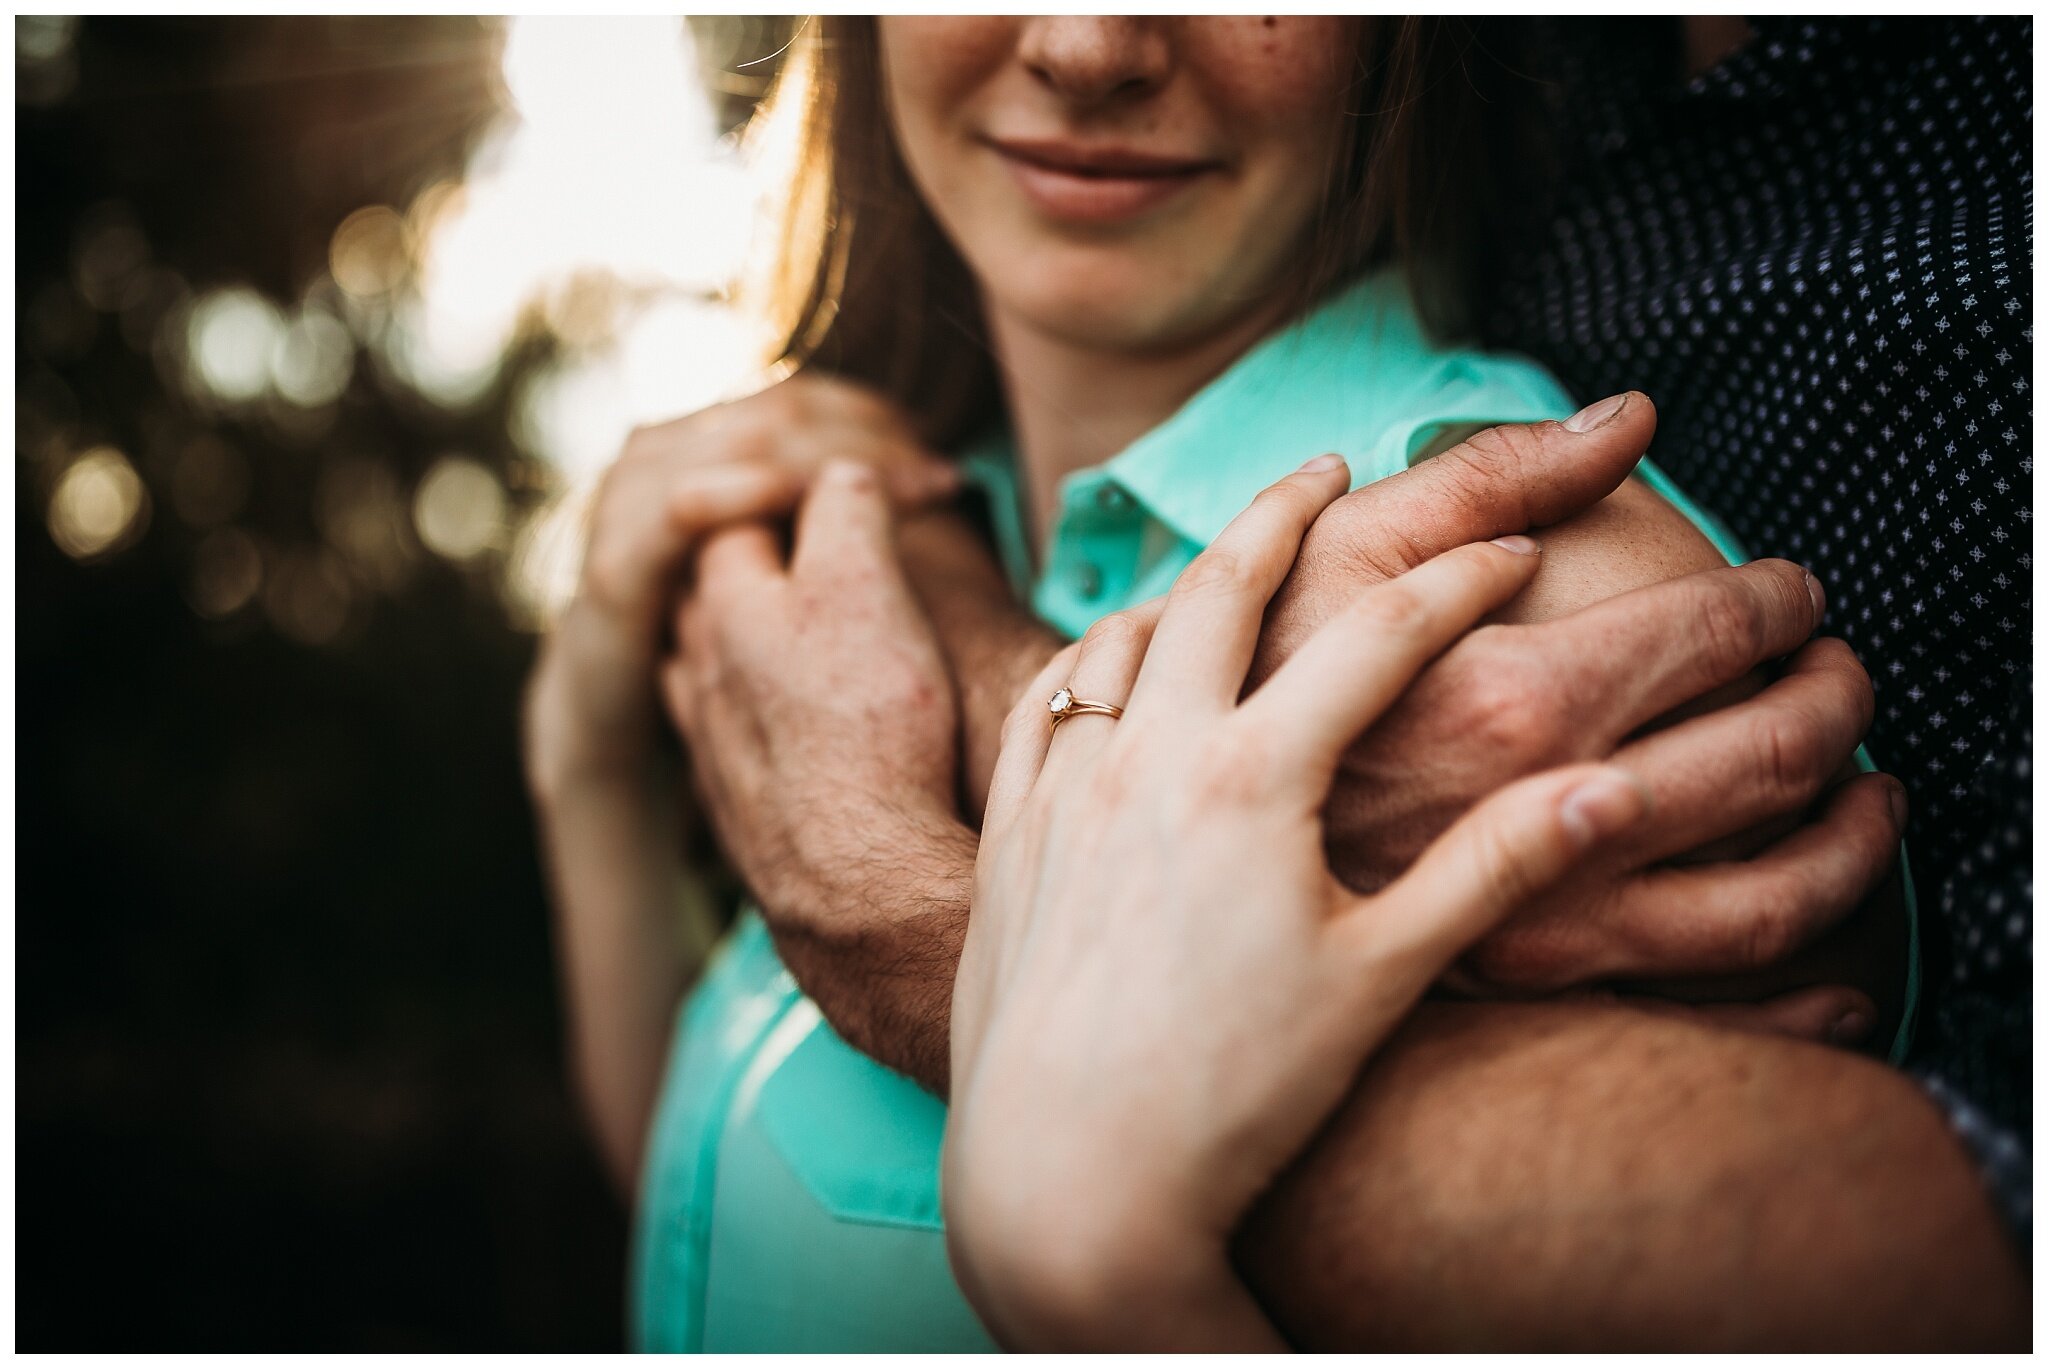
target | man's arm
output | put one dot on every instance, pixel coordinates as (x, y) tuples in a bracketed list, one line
[(1571, 1176), (992, 644)]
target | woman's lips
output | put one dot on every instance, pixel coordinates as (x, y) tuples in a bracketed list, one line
[(1096, 184)]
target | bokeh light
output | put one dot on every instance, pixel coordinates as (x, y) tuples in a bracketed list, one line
[(231, 335), (45, 63), (599, 222), (459, 509), (99, 505), (312, 359), (368, 253)]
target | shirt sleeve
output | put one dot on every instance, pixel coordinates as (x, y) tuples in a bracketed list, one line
[(1975, 1054)]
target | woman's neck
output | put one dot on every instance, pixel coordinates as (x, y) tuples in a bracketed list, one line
[(1073, 406)]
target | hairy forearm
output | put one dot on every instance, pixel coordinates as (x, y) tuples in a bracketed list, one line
[(1580, 1176), (884, 977), (993, 646)]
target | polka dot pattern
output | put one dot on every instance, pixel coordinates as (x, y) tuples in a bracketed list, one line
[(1817, 260)]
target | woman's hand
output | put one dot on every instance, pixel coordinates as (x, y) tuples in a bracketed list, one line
[(594, 707), (1164, 992)]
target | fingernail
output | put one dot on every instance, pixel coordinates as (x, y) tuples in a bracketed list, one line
[(1898, 798), (1320, 463), (1601, 806), (1818, 595), (1518, 544), (1594, 414), (1851, 1027)]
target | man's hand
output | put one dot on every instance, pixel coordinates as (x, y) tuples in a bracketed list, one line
[(821, 726), (1515, 698), (992, 643)]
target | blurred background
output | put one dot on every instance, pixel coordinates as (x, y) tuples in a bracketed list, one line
[(317, 322)]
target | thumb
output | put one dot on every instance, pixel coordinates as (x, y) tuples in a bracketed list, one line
[(843, 524), (1521, 476), (1491, 863), (1504, 480)]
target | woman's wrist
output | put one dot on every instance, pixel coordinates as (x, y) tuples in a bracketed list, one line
[(593, 713), (1079, 1284)]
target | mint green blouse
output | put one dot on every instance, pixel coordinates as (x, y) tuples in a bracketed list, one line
[(790, 1199)]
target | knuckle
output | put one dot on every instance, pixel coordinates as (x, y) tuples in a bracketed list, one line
[(1288, 497), (1393, 610), (1783, 596), (1024, 716), (1111, 634), (1217, 571), (1512, 716), (1489, 454), (1347, 542), (1500, 867), (1730, 631), (1770, 929), (1789, 755), (1478, 473), (1857, 696)]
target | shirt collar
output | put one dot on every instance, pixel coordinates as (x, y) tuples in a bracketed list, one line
[(1342, 378), (1295, 395)]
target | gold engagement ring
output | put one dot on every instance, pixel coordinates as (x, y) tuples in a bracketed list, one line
[(1064, 706)]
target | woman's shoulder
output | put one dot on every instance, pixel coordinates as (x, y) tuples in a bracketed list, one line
[(1364, 370), (1373, 326)]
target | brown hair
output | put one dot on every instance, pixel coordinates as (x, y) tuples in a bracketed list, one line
[(865, 284)]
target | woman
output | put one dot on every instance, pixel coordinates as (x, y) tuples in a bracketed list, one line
[(1188, 262)]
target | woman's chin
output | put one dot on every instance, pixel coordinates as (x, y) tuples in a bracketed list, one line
[(1130, 315)]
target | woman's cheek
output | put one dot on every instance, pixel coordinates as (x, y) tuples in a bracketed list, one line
[(932, 66), (1286, 76)]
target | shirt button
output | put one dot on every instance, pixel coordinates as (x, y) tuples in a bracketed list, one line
[(1087, 580)]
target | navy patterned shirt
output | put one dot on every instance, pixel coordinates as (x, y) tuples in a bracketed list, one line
[(1817, 259)]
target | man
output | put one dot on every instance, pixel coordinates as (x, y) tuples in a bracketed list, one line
[(1816, 258)]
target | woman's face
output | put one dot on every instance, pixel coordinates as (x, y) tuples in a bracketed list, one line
[(1128, 184)]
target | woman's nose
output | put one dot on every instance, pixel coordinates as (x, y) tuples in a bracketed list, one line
[(1090, 60)]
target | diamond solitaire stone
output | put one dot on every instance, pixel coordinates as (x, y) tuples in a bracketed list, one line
[(1061, 702)]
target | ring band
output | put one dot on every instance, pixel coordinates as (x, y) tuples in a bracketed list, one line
[(1063, 705)]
